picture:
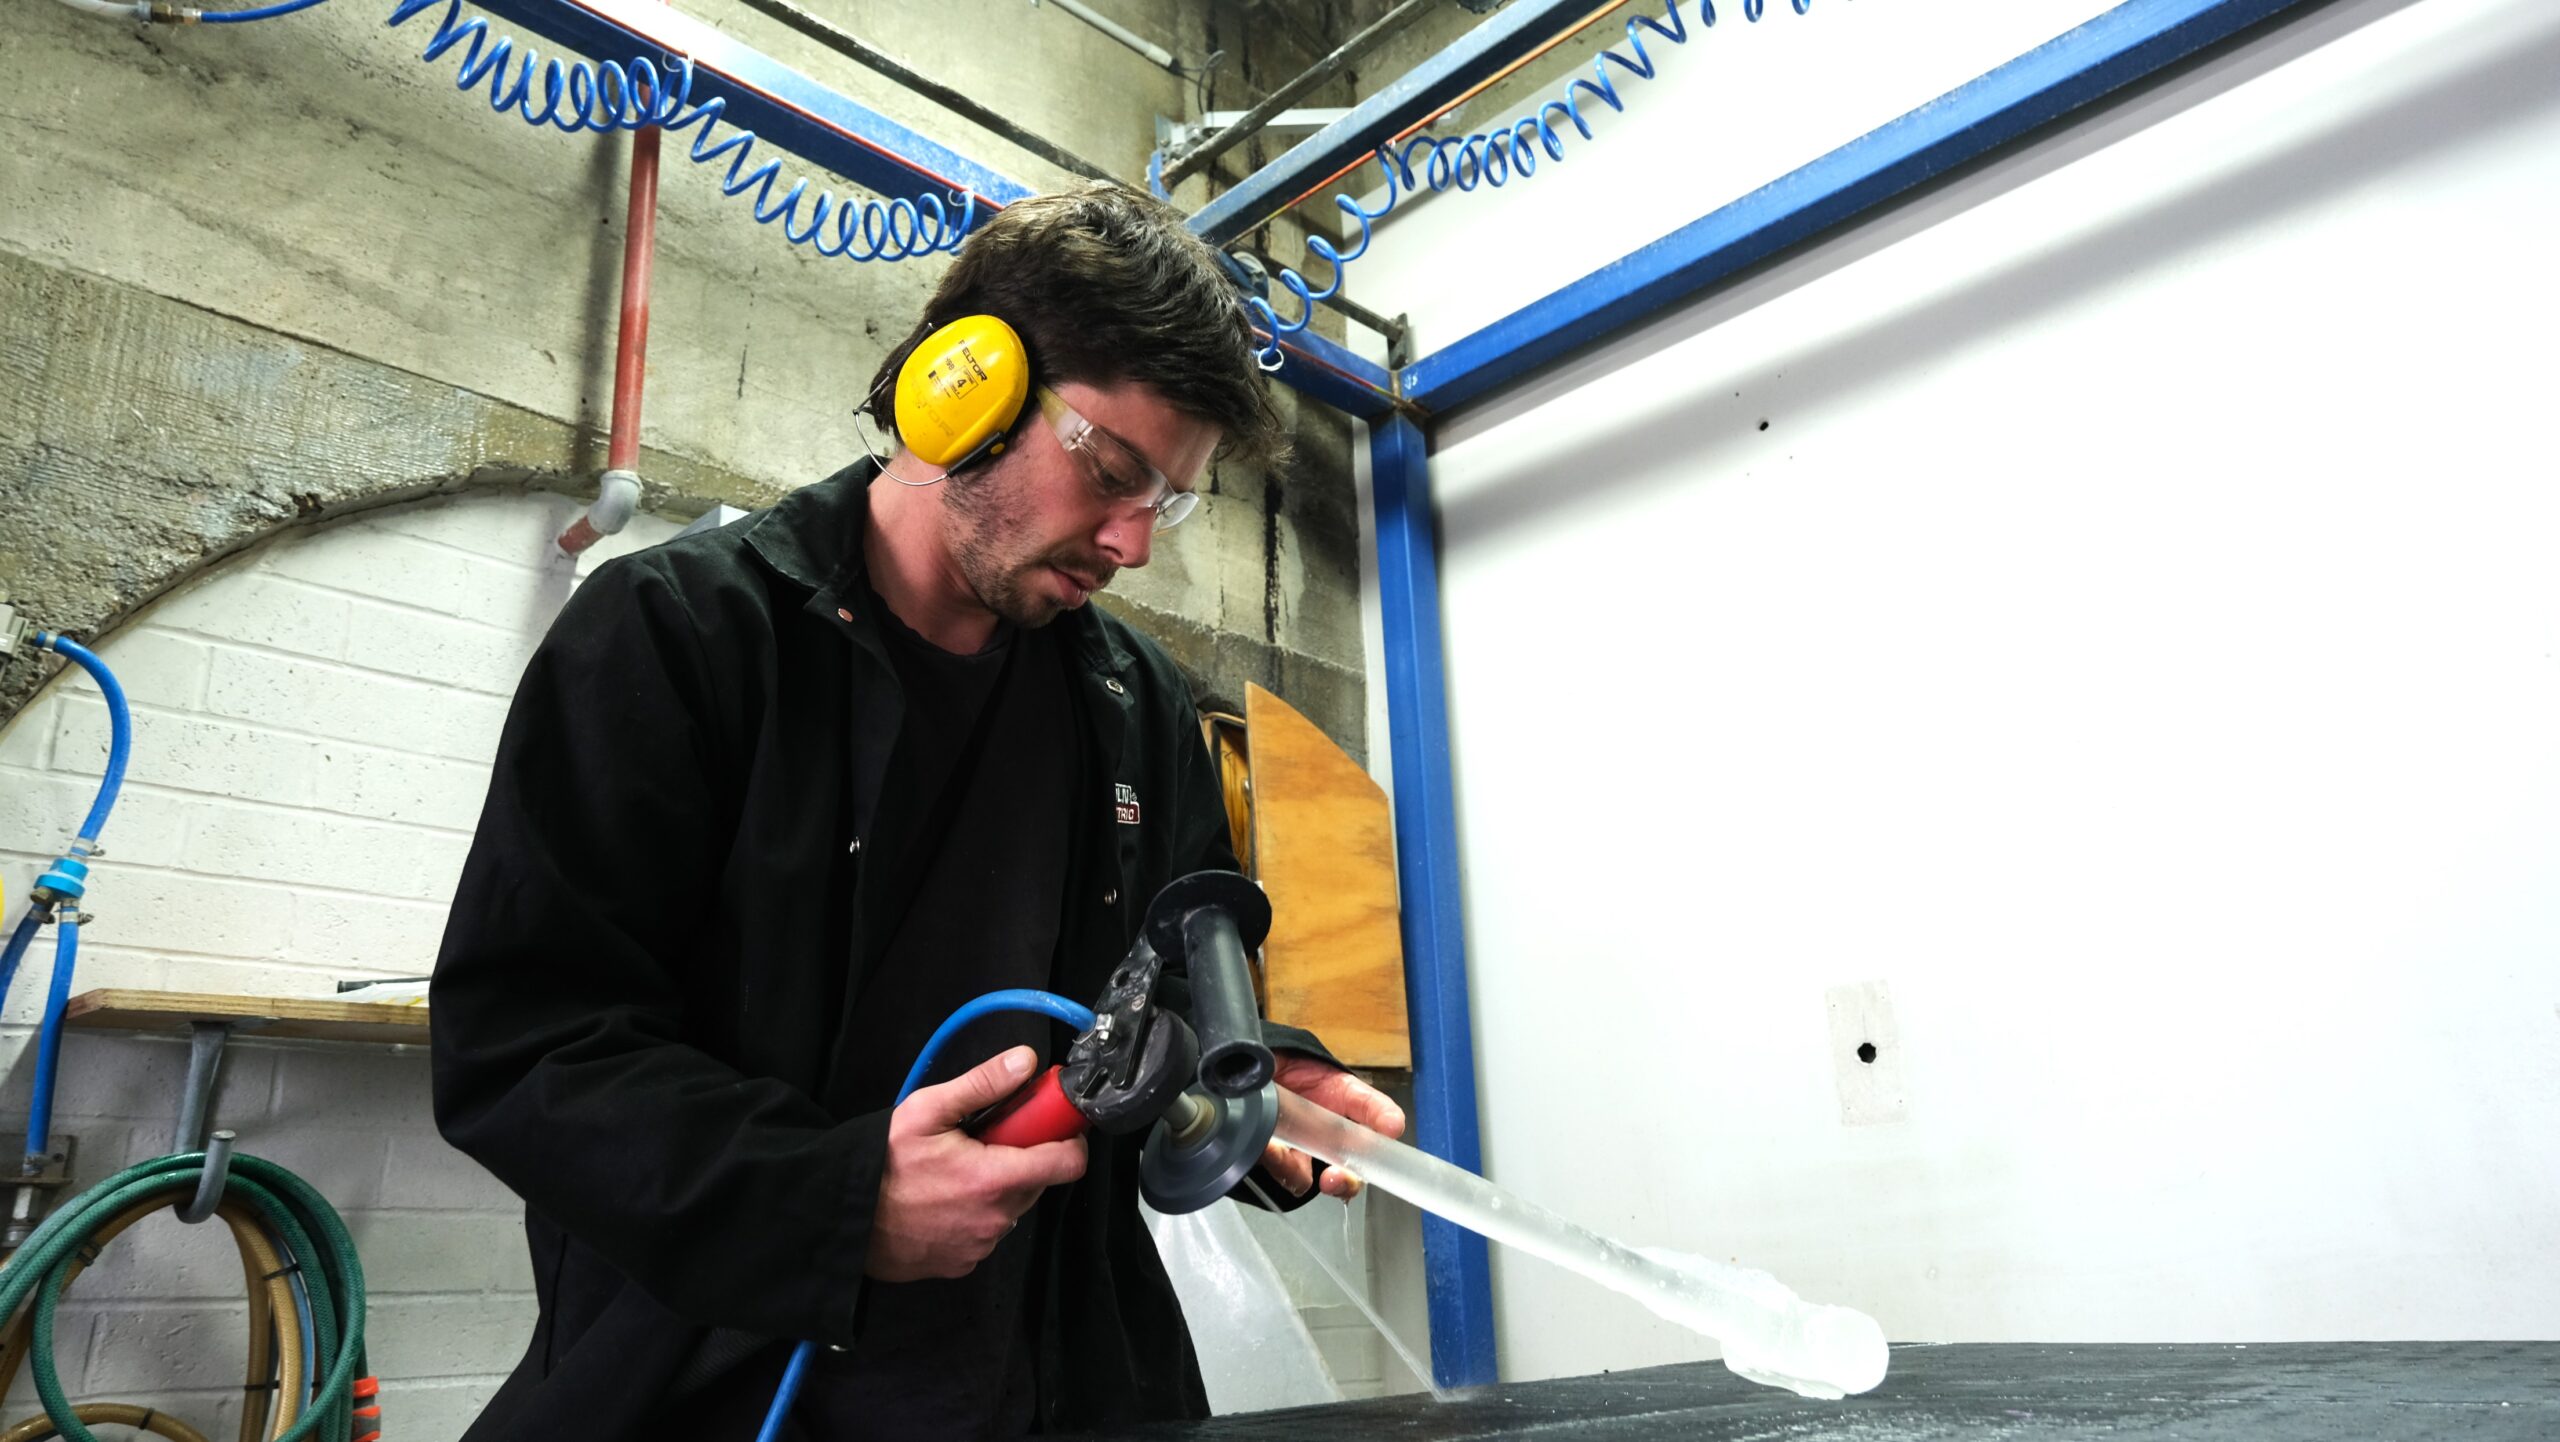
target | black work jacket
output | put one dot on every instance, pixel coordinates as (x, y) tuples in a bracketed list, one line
[(651, 959)]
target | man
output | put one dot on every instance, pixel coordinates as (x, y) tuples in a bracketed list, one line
[(772, 802)]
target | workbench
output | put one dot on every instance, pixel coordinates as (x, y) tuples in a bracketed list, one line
[(2290, 1392)]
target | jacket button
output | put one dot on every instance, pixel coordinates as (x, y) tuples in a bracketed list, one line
[(1115, 688), (1111, 897), (856, 847)]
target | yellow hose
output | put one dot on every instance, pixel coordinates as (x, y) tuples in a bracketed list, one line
[(275, 1337), (123, 1414)]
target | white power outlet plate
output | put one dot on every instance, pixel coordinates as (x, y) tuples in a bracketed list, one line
[(1866, 1056)]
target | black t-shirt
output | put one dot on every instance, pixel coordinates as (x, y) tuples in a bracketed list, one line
[(987, 755)]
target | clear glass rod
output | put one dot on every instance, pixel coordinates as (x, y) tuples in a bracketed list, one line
[(1769, 1334)]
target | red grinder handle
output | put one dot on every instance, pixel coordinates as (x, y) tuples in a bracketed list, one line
[(1038, 1112)]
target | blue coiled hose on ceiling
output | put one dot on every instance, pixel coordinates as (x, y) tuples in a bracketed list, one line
[(1487, 158), (608, 95), (611, 95)]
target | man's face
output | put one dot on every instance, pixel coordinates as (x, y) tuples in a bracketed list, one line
[(1034, 535)]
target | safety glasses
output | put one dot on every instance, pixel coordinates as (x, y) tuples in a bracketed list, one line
[(1118, 473)]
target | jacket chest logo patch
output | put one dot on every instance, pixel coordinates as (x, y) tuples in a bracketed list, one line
[(1124, 804)]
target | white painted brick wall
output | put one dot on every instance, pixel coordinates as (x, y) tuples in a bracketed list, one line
[(313, 726)]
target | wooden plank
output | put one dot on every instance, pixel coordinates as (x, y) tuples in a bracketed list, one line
[(1324, 849), (297, 1017)]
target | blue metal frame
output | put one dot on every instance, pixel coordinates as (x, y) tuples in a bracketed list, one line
[(1316, 367), (778, 103), (1455, 1261), (1481, 53), (2126, 43)]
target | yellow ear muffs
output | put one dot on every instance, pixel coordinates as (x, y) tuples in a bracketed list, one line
[(960, 390)]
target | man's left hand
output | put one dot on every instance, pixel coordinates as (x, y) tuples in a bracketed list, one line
[(1337, 1091)]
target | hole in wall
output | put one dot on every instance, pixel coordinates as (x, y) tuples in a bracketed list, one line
[(1867, 1052)]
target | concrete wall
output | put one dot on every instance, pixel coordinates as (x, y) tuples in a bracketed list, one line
[(255, 275), (2089, 634)]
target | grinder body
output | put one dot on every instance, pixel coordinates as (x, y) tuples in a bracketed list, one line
[(1206, 1090)]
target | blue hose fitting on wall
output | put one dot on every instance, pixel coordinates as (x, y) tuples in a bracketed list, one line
[(1487, 158)]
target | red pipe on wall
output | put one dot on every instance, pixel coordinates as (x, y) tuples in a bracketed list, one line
[(631, 344), (631, 349)]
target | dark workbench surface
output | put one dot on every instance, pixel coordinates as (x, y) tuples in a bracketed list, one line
[(2293, 1392)]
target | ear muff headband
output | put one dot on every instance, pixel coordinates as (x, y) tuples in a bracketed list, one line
[(960, 391)]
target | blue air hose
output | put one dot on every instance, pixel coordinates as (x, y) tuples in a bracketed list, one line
[(1464, 162), (67, 881), (66, 949), (263, 12), (610, 95), (119, 727), (25, 932), (1046, 1003), (615, 96)]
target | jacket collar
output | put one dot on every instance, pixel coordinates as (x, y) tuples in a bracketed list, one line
[(813, 539)]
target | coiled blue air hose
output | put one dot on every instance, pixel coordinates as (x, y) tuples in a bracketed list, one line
[(1045, 1003), (1487, 158), (609, 95)]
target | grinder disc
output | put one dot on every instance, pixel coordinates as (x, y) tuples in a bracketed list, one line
[(1175, 1179)]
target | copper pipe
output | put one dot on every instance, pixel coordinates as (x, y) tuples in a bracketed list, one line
[(620, 490), (631, 348)]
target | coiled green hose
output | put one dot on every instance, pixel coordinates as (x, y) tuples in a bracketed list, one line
[(332, 1276)]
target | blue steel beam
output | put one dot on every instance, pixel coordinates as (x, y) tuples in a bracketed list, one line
[(1316, 367), (2121, 46), (1454, 1260), (1517, 32), (778, 103)]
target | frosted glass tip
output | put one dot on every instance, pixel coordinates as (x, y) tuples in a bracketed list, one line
[(1769, 1334)]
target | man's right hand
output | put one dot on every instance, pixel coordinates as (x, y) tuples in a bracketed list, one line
[(948, 1198)]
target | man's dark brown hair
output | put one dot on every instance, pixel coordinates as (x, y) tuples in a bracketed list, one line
[(1107, 285)]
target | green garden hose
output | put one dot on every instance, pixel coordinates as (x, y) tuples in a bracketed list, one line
[(289, 1211)]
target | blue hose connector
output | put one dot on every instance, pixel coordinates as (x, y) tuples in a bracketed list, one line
[(66, 880)]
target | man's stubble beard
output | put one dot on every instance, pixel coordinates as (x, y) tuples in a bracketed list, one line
[(984, 518)]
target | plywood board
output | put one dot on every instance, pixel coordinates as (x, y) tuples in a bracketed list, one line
[(1324, 849), (307, 1018)]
